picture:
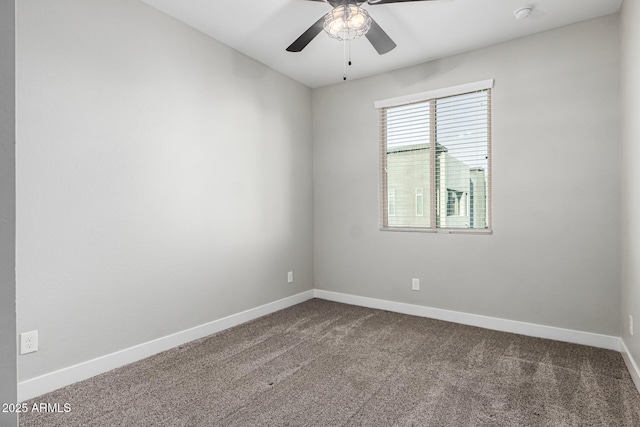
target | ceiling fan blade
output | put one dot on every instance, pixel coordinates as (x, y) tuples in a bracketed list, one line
[(379, 39), (306, 37), (376, 2)]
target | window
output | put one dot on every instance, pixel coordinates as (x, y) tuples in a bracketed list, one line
[(392, 202), (419, 202), (436, 160), (453, 202)]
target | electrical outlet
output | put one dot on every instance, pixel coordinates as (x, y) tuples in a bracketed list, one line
[(631, 324), (290, 277), (28, 342), (415, 284)]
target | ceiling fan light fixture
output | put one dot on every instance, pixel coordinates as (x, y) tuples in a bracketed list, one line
[(347, 22)]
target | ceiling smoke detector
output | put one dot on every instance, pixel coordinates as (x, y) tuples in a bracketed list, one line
[(523, 13)]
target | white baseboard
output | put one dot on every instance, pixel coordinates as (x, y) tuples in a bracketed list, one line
[(494, 323), (38, 386), (530, 329), (631, 365)]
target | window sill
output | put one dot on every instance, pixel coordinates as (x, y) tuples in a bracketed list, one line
[(437, 231)]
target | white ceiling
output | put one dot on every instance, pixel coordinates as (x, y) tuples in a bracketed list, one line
[(423, 30)]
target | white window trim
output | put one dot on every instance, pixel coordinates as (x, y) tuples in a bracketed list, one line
[(426, 96), (435, 93)]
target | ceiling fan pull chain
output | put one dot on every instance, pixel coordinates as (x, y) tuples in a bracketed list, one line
[(344, 57), (349, 53)]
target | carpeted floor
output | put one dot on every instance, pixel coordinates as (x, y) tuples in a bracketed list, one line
[(327, 364)]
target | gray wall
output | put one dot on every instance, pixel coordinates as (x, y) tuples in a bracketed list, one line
[(630, 90), (8, 367), (553, 258), (163, 180)]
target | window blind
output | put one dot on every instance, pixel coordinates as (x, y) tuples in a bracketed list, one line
[(436, 163)]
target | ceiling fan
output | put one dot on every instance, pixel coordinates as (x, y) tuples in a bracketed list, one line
[(348, 21)]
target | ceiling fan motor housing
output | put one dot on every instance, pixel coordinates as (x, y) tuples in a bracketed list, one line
[(347, 22)]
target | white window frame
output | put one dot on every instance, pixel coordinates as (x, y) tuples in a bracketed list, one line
[(423, 97)]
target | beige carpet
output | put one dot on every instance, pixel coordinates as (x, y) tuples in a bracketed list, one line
[(327, 364)]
